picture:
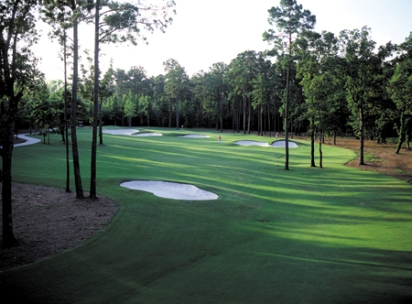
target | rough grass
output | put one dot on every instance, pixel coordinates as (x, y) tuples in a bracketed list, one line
[(306, 235)]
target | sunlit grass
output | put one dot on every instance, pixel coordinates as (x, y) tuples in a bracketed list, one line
[(273, 236)]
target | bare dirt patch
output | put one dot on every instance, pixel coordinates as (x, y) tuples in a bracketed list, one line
[(381, 158), (47, 221)]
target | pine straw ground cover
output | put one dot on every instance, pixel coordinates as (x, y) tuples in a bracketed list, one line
[(381, 158), (378, 157)]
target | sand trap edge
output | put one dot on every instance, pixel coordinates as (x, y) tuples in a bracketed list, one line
[(251, 143), (142, 134), (281, 144), (195, 136), (120, 131), (170, 190)]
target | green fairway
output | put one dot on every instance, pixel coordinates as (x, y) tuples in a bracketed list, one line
[(307, 235)]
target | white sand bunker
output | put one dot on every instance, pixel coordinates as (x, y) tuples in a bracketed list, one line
[(171, 190), (276, 144), (282, 144), (251, 143), (195, 136), (121, 131), (148, 134), (29, 140)]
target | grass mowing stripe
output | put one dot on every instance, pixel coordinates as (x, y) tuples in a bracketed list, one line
[(303, 235)]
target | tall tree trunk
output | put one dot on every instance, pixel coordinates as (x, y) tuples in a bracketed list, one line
[(7, 152), (408, 130), (238, 115), (268, 111), (286, 122), (244, 112), (170, 112), (312, 144), (177, 113), (75, 151), (275, 129), (66, 127), (362, 138), (235, 116), (95, 104), (401, 133), (320, 149), (221, 115), (249, 109), (8, 111), (265, 123), (100, 125), (287, 107)]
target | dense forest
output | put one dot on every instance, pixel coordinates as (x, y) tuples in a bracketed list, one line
[(337, 85)]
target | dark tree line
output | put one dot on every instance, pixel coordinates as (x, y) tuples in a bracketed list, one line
[(337, 85)]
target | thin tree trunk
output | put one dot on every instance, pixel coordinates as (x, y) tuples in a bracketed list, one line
[(95, 104), (286, 122), (177, 113), (75, 151), (244, 112), (101, 123), (362, 138), (287, 106), (170, 113), (268, 111), (7, 121), (249, 106), (238, 115), (7, 152), (100, 127), (320, 149), (221, 115), (233, 112), (274, 117), (401, 133), (408, 125), (66, 131), (312, 145)]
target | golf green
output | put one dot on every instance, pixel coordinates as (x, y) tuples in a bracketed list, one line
[(306, 235)]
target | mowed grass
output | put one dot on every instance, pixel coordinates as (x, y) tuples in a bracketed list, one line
[(307, 235)]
